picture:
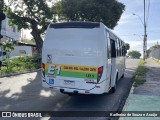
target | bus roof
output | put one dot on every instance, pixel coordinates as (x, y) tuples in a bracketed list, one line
[(75, 25)]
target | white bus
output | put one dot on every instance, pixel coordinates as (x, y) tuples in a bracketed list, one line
[(82, 57)]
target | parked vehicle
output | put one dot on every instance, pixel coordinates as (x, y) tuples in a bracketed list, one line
[(2, 56), (82, 57)]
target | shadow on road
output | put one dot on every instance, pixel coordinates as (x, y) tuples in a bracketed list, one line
[(29, 97), (32, 97)]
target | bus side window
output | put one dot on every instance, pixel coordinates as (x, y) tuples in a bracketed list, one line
[(124, 50), (120, 52), (121, 48), (113, 49), (117, 47), (109, 49), (108, 45)]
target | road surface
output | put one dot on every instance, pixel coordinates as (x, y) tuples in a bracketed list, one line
[(25, 93)]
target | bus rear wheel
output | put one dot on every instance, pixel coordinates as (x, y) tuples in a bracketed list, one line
[(122, 76), (113, 89)]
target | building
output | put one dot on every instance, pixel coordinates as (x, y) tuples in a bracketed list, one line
[(12, 33), (9, 32)]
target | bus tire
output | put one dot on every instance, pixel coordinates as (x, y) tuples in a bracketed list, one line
[(122, 75), (71, 94), (113, 89)]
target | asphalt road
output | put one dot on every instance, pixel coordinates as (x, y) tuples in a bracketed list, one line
[(25, 93)]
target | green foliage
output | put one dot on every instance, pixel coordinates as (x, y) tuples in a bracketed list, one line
[(139, 76), (22, 64), (35, 10), (1, 4), (31, 14), (148, 52), (134, 54), (37, 14), (7, 46), (158, 61), (127, 46), (155, 46), (142, 62), (106, 11)]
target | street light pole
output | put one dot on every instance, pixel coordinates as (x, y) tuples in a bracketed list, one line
[(145, 34), (145, 31)]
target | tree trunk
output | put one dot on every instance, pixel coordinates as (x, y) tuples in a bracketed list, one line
[(36, 35)]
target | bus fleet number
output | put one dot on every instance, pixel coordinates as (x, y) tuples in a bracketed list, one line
[(90, 75)]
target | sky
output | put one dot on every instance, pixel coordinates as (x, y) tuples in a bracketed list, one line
[(130, 27)]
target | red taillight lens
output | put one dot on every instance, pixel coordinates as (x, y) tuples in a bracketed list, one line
[(43, 69), (100, 71)]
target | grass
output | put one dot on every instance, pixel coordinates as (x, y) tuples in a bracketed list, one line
[(139, 76), (142, 62), (21, 64), (158, 61)]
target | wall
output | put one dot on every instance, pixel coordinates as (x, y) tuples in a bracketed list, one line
[(155, 53), (21, 51)]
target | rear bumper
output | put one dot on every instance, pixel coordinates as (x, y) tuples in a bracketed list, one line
[(97, 89)]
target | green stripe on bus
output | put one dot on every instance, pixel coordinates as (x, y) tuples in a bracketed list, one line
[(75, 74)]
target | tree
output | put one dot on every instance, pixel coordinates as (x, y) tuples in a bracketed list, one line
[(148, 52), (36, 14), (155, 46), (2, 15), (127, 46), (31, 14), (8, 47), (134, 54), (106, 11)]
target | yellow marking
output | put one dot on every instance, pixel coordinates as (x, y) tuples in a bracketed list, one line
[(75, 68), (46, 66)]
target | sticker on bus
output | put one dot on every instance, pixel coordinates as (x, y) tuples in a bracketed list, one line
[(86, 72), (51, 81), (69, 83)]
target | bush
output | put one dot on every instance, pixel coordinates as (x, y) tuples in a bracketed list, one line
[(134, 54), (21, 64), (139, 76)]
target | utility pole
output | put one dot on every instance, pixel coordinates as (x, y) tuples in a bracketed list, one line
[(145, 33)]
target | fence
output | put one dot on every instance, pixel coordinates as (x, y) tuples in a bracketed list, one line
[(155, 53)]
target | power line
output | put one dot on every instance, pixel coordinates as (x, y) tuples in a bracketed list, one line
[(125, 35)]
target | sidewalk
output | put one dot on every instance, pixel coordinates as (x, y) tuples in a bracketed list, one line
[(145, 97)]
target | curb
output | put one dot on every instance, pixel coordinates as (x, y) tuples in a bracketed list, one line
[(14, 74), (126, 103)]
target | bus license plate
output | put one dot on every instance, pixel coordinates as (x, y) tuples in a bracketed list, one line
[(69, 83)]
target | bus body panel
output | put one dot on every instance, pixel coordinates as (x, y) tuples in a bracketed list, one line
[(72, 59)]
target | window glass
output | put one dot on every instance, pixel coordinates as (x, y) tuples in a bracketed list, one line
[(117, 47), (108, 45), (14, 29)]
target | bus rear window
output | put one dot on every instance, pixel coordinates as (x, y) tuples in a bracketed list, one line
[(75, 25)]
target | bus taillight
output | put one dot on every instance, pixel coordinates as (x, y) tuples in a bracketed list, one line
[(100, 71), (43, 69)]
